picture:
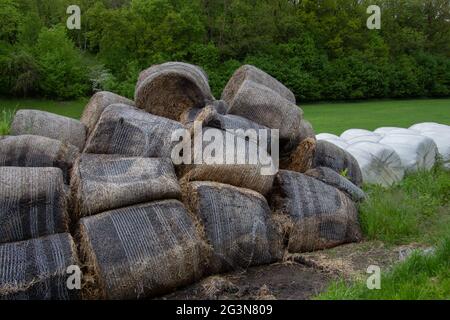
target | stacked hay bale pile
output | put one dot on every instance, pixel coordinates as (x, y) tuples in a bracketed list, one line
[(144, 225)]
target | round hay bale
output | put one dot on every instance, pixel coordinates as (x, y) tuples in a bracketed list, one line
[(353, 133), (97, 104), (334, 179), (394, 130), (36, 151), (374, 137), (315, 215), (329, 155), (306, 130), (262, 105), (129, 131), (237, 224), (36, 269), (105, 182), (327, 136), (171, 88), (142, 251), (442, 140), (429, 126), (188, 117), (302, 158), (33, 203), (45, 124), (379, 164), (249, 72)]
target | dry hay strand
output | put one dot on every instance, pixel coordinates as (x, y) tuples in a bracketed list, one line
[(301, 159), (36, 269), (331, 156), (171, 88), (142, 251), (334, 179), (33, 203), (106, 182), (320, 215), (237, 224), (129, 131), (36, 151), (45, 124), (97, 104), (249, 72)]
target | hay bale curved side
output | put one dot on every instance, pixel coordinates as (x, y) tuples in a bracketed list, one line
[(315, 215), (329, 155), (37, 269), (33, 203), (97, 104), (237, 224), (129, 131), (169, 89), (142, 251), (249, 72), (106, 182), (37, 151), (46, 124)]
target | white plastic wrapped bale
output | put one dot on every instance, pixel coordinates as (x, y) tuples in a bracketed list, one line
[(327, 136), (416, 152), (429, 126), (440, 134), (373, 137), (332, 138), (379, 164), (353, 133), (394, 130)]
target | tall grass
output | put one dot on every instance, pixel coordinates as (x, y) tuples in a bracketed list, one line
[(5, 120)]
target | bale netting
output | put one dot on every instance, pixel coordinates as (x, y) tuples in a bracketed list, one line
[(105, 182), (45, 124), (129, 131), (188, 117), (262, 105), (315, 215), (301, 159), (33, 203), (233, 160), (249, 72), (334, 179), (329, 155), (97, 104), (36, 269), (237, 224), (142, 251), (171, 88), (36, 151)]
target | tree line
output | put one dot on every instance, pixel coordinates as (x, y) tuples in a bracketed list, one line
[(321, 49)]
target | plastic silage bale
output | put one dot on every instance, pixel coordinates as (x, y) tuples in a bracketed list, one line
[(429, 126), (374, 137), (334, 139), (97, 104), (394, 130), (105, 182), (442, 140), (334, 179), (171, 88), (33, 203), (36, 269), (141, 251), (249, 72), (331, 156), (237, 224), (36, 151), (379, 163), (416, 152), (315, 215), (353, 133), (129, 131)]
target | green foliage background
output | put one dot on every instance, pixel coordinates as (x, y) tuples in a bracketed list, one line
[(322, 50)]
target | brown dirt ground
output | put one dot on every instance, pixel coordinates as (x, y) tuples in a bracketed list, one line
[(299, 277)]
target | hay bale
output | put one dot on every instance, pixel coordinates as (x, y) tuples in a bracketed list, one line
[(97, 104), (394, 130), (334, 179), (249, 167), (237, 225), (302, 158), (142, 251), (374, 137), (329, 155), (171, 88), (249, 72), (105, 182), (315, 215), (33, 203), (129, 131), (353, 133), (45, 124), (36, 151), (306, 130), (188, 117), (36, 269), (262, 105)]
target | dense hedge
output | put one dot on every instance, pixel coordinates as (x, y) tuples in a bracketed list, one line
[(322, 50)]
